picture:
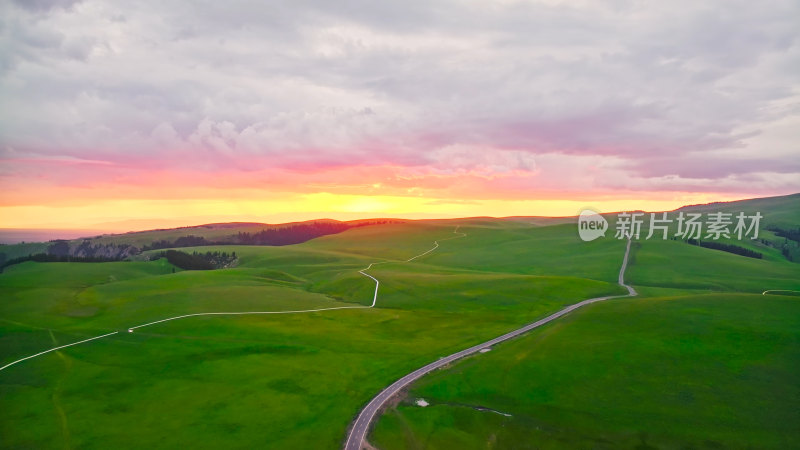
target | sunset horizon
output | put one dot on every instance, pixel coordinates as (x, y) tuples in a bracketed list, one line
[(118, 114), (395, 225), (350, 207)]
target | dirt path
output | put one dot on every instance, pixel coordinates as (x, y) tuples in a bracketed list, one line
[(362, 272)]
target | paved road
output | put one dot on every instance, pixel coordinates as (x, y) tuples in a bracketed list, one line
[(358, 431)]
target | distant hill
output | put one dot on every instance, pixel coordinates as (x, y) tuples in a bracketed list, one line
[(780, 227), (122, 246), (782, 211)]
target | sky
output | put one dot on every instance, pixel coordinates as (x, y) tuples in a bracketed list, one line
[(123, 115)]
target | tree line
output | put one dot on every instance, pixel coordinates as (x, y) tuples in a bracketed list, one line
[(287, 235), (293, 234), (183, 241), (197, 260), (790, 247), (785, 233), (730, 248), (45, 257)]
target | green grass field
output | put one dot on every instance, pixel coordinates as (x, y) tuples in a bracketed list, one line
[(699, 360), (296, 381), (288, 381), (698, 371)]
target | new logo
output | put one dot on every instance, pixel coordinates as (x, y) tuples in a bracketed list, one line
[(591, 225)]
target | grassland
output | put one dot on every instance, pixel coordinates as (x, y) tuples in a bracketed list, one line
[(702, 361), (296, 381), (697, 371), (24, 249), (255, 381)]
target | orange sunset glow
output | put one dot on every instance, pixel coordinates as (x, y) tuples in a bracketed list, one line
[(110, 124), (399, 224)]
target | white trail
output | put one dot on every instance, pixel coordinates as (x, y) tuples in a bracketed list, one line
[(242, 313)]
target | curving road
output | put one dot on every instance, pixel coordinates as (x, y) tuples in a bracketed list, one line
[(359, 428), (242, 313), (778, 290)]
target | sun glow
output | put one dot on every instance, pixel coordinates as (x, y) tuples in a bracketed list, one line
[(257, 206)]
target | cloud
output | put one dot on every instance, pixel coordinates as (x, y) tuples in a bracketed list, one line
[(44, 5), (673, 93)]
